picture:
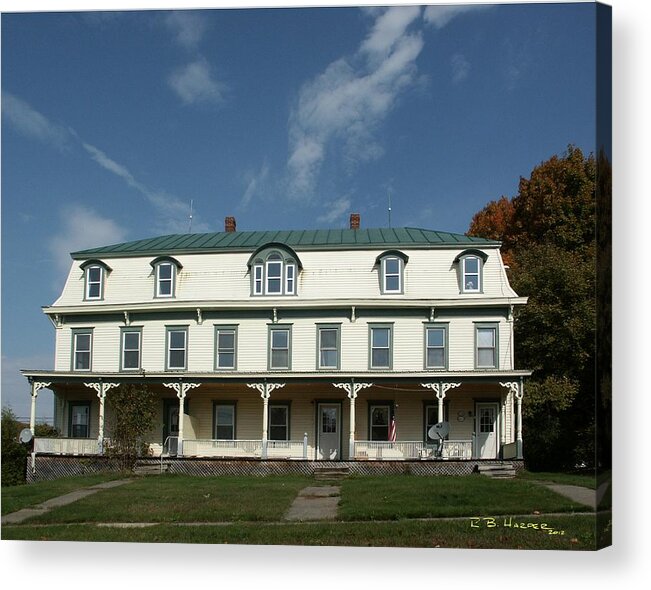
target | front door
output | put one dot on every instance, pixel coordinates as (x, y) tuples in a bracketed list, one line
[(328, 432), (486, 428)]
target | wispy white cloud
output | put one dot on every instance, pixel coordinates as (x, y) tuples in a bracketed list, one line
[(254, 183), (352, 97), (440, 15), (335, 210), (194, 83), (81, 227), (188, 27), (460, 68), (30, 123)]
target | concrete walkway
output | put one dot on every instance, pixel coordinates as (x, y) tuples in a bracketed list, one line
[(576, 493), (21, 515), (314, 503)]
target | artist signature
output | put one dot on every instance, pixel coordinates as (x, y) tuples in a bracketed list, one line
[(489, 522)]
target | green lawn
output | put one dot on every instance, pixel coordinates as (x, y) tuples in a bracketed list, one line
[(181, 498), (17, 497), (394, 497), (579, 533), (574, 479)]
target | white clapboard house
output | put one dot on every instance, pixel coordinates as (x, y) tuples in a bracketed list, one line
[(292, 345)]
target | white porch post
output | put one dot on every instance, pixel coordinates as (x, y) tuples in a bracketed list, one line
[(265, 390), (101, 388), (352, 389), (440, 389), (181, 389), (36, 386), (517, 390)]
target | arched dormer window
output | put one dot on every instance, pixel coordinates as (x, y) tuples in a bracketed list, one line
[(391, 265), (470, 270), (274, 270), (95, 273), (165, 270)]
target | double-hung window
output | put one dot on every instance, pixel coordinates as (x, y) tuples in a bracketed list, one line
[(380, 414), (432, 418), (391, 271), (279, 421), (435, 347), (166, 270), (225, 347), (79, 420), (177, 348), (470, 270), (257, 279), (224, 421), (486, 346), (380, 354), (94, 281), (274, 274), (328, 346), (274, 271), (82, 349), (131, 348), (279, 347)]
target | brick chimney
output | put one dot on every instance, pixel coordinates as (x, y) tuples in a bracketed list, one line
[(354, 221), (229, 224)]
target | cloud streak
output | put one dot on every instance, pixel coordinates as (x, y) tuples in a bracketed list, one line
[(30, 123), (195, 83), (352, 97), (460, 68), (336, 210), (188, 27), (440, 15)]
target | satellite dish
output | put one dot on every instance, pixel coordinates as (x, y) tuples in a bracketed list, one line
[(25, 436), (440, 430)]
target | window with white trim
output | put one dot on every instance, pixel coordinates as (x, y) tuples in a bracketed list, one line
[(224, 421), (225, 347), (257, 279), (471, 273), (435, 347), (274, 271), (328, 338), (82, 348), (165, 272), (380, 346), (94, 282), (131, 342), (177, 348), (486, 344), (391, 271), (279, 347)]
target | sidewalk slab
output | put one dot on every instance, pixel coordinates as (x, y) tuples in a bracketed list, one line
[(315, 503), (578, 494)]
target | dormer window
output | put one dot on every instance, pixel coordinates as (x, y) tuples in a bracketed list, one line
[(470, 264), (274, 270), (95, 272), (165, 270), (391, 266)]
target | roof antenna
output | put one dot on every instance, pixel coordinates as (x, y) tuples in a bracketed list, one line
[(389, 194), (190, 226)]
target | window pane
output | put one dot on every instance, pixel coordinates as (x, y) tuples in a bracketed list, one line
[(226, 340), (379, 433), (328, 358), (435, 357), (226, 360), (392, 283), (392, 266), (177, 339), (94, 274), (274, 270), (280, 359), (328, 338), (273, 285), (329, 420), (224, 432), (278, 415), (177, 359), (94, 290), (435, 337), (82, 342), (380, 416), (131, 340), (380, 337), (471, 283), (165, 271), (380, 358), (82, 360), (278, 433), (131, 359), (225, 415), (486, 357), (485, 337), (279, 339), (471, 265)]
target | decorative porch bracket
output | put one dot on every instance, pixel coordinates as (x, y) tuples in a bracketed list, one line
[(516, 389), (36, 387), (352, 389), (440, 388), (265, 390), (181, 389), (101, 388)]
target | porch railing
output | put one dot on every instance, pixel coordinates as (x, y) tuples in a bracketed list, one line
[(66, 446), (286, 449), (222, 448), (456, 449), (384, 450)]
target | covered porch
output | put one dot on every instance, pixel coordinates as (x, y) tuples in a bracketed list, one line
[(299, 418)]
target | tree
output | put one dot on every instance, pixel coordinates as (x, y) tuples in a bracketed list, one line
[(133, 417), (548, 236), (14, 454)]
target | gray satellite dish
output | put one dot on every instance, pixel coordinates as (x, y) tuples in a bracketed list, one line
[(439, 430), (25, 436)]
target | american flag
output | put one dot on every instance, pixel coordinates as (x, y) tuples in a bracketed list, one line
[(392, 430)]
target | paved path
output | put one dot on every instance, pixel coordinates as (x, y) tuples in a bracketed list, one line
[(69, 498), (576, 493), (315, 503)]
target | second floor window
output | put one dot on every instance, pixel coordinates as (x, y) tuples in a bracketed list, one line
[(435, 347), (486, 340), (82, 347), (380, 347), (279, 348), (225, 344), (328, 345), (177, 348), (131, 350)]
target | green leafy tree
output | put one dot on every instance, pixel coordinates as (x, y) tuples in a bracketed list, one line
[(14, 454), (134, 413)]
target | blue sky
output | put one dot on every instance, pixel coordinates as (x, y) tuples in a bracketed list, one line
[(284, 118)]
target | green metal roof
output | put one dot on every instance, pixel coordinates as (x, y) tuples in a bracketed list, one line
[(319, 239)]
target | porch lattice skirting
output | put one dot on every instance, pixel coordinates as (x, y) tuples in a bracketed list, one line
[(54, 467)]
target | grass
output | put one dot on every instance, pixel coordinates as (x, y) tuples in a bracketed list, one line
[(181, 498), (574, 479), (579, 533), (23, 496), (394, 497)]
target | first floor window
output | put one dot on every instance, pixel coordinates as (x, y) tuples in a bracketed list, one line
[(82, 350), (380, 347), (279, 345), (435, 343), (225, 342), (177, 348), (79, 426), (131, 350), (487, 346), (328, 347), (432, 418), (278, 422), (224, 421), (380, 417)]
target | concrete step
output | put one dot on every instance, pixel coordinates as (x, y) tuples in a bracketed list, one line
[(336, 473), (150, 468), (497, 470)]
